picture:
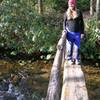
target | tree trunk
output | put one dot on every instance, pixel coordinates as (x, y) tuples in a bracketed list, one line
[(91, 8), (98, 10), (98, 13), (40, 6)]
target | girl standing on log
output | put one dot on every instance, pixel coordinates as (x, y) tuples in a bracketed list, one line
[(74, 27)]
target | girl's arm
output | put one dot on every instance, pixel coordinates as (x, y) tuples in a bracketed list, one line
[(81, 23), (64, 22)]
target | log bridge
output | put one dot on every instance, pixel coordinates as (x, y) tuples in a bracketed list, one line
[(73, 85)]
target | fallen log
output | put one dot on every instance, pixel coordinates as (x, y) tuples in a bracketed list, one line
[(53, 92)]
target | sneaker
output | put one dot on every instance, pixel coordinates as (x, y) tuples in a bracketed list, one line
[(77, 62), (70, 62)]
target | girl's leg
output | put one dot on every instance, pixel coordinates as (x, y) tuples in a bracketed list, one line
[(76, 47), (76, 52), (69, 49), (69, 44)]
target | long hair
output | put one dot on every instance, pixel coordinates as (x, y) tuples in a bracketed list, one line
[(71, 14)]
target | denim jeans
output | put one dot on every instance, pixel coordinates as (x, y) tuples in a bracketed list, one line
[(73, 45)]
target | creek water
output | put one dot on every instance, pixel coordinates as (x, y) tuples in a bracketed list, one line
[(24, 80), (28, 80)]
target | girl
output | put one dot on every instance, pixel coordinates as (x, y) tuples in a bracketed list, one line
[(74, 26)]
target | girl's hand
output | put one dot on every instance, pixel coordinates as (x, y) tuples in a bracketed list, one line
[(82, 36), (65, 31)]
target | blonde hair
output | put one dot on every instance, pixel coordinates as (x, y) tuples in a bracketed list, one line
[(71, 14)]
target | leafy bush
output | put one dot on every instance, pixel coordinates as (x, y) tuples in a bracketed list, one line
[(62, 5), (24, 30), (91, 45), (15, 24), (83, 4)]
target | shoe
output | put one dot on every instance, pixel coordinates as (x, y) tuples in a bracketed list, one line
[(77, 62), (70, 62)]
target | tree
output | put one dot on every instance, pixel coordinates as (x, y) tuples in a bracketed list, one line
[(91, 8), (40, 6), (98, 10), (98, 13)]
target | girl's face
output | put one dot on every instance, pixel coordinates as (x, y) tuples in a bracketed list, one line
[(71, 6)]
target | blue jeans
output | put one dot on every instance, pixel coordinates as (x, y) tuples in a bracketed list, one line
[(73, 45)]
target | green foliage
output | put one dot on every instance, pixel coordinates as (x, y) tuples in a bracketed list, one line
[(61, 5), (24, 30), (83, 4), (46, 29), (15, 24), (57, 4), (91, 45)]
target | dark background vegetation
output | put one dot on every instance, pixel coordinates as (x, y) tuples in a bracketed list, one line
[(23, 30)]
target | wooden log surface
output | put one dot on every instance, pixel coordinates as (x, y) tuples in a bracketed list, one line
[(74, 87), (53, 92)]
